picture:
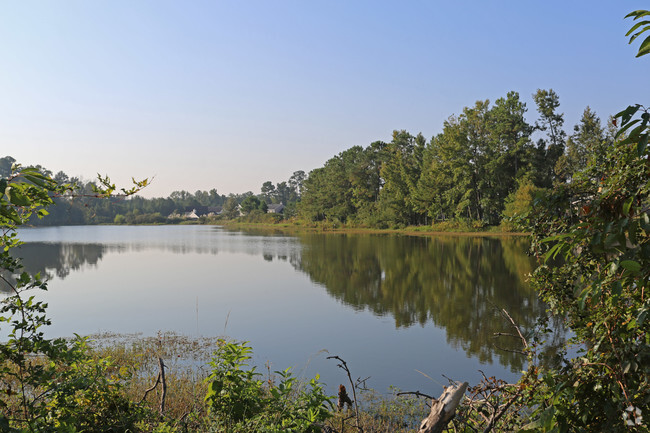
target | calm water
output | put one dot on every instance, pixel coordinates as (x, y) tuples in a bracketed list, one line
[(394, 307)]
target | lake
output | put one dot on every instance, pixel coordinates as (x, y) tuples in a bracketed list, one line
[(402, 310)]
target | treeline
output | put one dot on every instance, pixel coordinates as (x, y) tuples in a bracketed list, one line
[(484, 164), (82, 206)]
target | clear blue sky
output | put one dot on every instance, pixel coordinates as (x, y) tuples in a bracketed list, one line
[(229, 94)]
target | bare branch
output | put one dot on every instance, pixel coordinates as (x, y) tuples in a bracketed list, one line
[(418, 394)]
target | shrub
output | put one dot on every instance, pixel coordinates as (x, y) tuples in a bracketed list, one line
[(239, 401)]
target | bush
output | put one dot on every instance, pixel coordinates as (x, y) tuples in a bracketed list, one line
[(239, 401)]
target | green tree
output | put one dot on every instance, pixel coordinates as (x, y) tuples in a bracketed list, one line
[(251, 203), (551, 148), (507, 156), (594, 236), (268, 191), (296, 182), (400, 173), (588, 141)]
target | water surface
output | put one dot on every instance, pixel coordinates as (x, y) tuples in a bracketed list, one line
[(396, 308)]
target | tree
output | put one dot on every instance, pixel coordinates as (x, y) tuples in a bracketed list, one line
[(593, 235), (231, 208), (268, 190), (282, 193), (507, 156), (251, 203), (587, 142), (550, 149), (400, 173), (296, 182), (5, 166)]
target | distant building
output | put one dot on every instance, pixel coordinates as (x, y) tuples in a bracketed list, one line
[(214, 210), (275, 208), (199, 211), (191, 215)]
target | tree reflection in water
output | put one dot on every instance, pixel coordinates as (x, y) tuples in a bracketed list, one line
[(55, 259), (453, 281)]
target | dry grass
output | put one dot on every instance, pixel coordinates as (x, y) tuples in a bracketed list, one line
[(185, 359)]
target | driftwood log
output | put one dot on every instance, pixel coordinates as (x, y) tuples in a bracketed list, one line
[(443, 409)]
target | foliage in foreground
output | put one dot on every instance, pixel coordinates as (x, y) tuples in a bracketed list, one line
[(240, 401), (594, 236)]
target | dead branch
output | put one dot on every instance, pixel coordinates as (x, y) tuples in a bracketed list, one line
[(417, 394), (443, 409), (164, 385), (151, 389), (159, 379), (343, 365), (514, 325)]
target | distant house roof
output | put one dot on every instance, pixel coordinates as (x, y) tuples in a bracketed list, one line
[(275, 208), (200, 211)]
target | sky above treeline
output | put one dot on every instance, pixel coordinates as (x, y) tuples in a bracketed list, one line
[(229, 94)]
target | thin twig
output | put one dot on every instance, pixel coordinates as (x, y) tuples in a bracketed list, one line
[(344, 366), (417, 393), (514, 325)]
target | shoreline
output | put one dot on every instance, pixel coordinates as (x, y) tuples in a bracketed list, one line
[(408, 231)]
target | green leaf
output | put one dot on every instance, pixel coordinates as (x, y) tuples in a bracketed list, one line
[(638, 14), (643, 143), (627, 205), (16, 197), (636, 26), (631, 265), (627, 126), (627, 114), (644, 48), (38, 181)]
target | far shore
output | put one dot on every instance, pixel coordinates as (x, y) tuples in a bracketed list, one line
[(289, 227)]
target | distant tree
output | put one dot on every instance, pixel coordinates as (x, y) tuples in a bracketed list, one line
[(282, 193), (400, 173), (551, 148), (5, 166), (296, 182), (268, 191), (231, 208), (251, 203), (61, 178), (587, 141)]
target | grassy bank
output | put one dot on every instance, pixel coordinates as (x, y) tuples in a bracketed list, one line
[(444, 228), (187, 377)]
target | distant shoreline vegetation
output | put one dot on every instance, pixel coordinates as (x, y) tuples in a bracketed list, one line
[(478, 175)]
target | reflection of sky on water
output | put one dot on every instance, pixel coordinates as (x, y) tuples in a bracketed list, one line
[(176, 239), (202, 280)]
